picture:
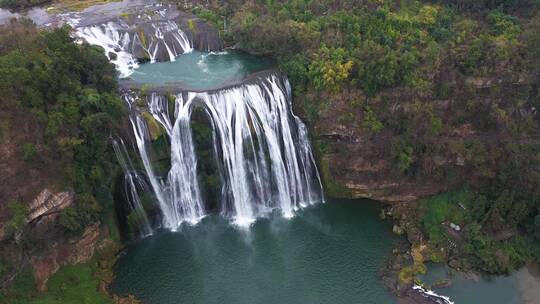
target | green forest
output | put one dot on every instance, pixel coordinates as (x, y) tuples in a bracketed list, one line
[(430, 79), (68, 94), (60, 99), (445, 91)]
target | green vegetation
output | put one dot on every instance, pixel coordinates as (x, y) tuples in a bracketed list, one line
[(192, 25), (56, 5), (66, 94), (18, 218), (331, 187), (28, 151), (207, 166), (23, 286), (371, 124), (156, 130), (443, 209), (20, 4), (70, 285), (407, 274), (75, 219), (447, 91), (489, 239)]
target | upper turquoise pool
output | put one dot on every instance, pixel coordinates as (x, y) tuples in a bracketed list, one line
[(202, 71)]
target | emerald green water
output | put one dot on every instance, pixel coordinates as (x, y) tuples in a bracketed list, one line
[(329, 253), (199, 70)]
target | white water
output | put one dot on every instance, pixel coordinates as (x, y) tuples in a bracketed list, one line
[(262, 149), (432, 295), (125, 41), (132, 182)]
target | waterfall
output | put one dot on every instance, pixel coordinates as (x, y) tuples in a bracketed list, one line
[(262, 149), (124, 44), (132, 182), (431, 295), (185, 193)]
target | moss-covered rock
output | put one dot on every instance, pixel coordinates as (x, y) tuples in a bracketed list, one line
[(331, 188), (154, 127)]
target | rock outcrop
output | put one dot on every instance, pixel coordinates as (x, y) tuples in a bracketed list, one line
[(356, 163), (51, 248), (43, 210), (47, 205), (64, 252), (357, 172)]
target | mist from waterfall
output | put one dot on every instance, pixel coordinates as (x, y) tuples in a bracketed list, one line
[(262, 149)]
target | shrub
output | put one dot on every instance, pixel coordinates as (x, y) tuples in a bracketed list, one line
[(28, 152), (84, 212), (446, 207), (403, 155), (17, 220), (370, 122)]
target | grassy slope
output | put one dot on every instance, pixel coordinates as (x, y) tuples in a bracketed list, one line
[(71, 285)]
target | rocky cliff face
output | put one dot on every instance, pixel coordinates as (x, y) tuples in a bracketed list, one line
[(354, 172), (43, 211), (31, 201), (50, 248), (62, 252), (357, 164)]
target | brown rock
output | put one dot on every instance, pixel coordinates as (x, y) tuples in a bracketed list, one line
[(363, 174), (43, 269), (397, 230), (65, 252), (48, 202), (83, 249)]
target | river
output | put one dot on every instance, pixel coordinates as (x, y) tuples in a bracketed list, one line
[(330, 252)]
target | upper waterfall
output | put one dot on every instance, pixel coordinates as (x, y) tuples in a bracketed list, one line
[(145, 33), (162, 40), (262, 149)]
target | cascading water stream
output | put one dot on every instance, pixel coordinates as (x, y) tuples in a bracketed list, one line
[(262, 149), (124, 43), (185, 195), (132, 182)]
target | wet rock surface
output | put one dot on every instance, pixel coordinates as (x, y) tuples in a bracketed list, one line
[(153, 32), (150, 26)]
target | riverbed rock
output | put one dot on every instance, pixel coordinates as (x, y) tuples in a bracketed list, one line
[(414, 235), (398, 230), (130, 299), (455, 264)]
